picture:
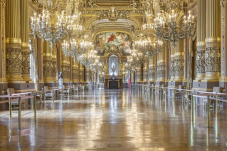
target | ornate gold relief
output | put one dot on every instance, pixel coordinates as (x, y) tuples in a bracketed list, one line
[(13, 61)]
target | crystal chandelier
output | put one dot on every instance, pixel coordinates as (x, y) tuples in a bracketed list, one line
[(88, 56), (167, 28), (137, 58), (49, 27), (149, 47), (53, 26), (96, 65)]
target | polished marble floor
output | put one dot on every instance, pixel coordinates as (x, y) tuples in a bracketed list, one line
[(114, 120)]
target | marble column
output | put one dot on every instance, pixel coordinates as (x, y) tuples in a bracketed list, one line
[(25, 41), (223, 41), (139, 74), (151, 69), (75, 72), (212, 52), (201, 35), (47, 63), (13, 42), (81, 73), (161, 68), (145, 72), (179, 62)]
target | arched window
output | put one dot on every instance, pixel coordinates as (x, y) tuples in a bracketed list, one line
[(113, 63)]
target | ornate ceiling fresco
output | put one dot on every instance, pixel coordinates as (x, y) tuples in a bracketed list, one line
[(104, 41)]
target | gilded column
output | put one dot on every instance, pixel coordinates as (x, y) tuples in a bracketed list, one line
[(2, 44), (172, 73), (212, 52), (223, 41), (139, 74), (201, 35), (88, 75), (75, 72), (161, 73), (40, 51), (186, 52), (167, 55), (13, 42), (54, 64), (81, 73), (151, 69), (179, 62), (65, 68), (25, 41), (145, 72), (47, 63)]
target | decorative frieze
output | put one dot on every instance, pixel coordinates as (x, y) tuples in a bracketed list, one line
[(26, 62), (161, 71), (200, 59), (54, 69), (172, 73), (212, 57), (66, 71), (47, 68), (151, 74), (179, 67)]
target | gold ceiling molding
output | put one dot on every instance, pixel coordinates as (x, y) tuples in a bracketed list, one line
[(92, 21)]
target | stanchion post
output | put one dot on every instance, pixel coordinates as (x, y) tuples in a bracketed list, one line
[(216, 105), (10, 107), (32, 100), (19, 113), (35, 107), (182, 97), (208, 111), (192, 108)]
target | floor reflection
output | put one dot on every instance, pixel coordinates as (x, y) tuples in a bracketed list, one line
[(114, 120)]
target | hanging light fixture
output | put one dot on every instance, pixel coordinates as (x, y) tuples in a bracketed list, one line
[(53, 26), (167, 28)]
